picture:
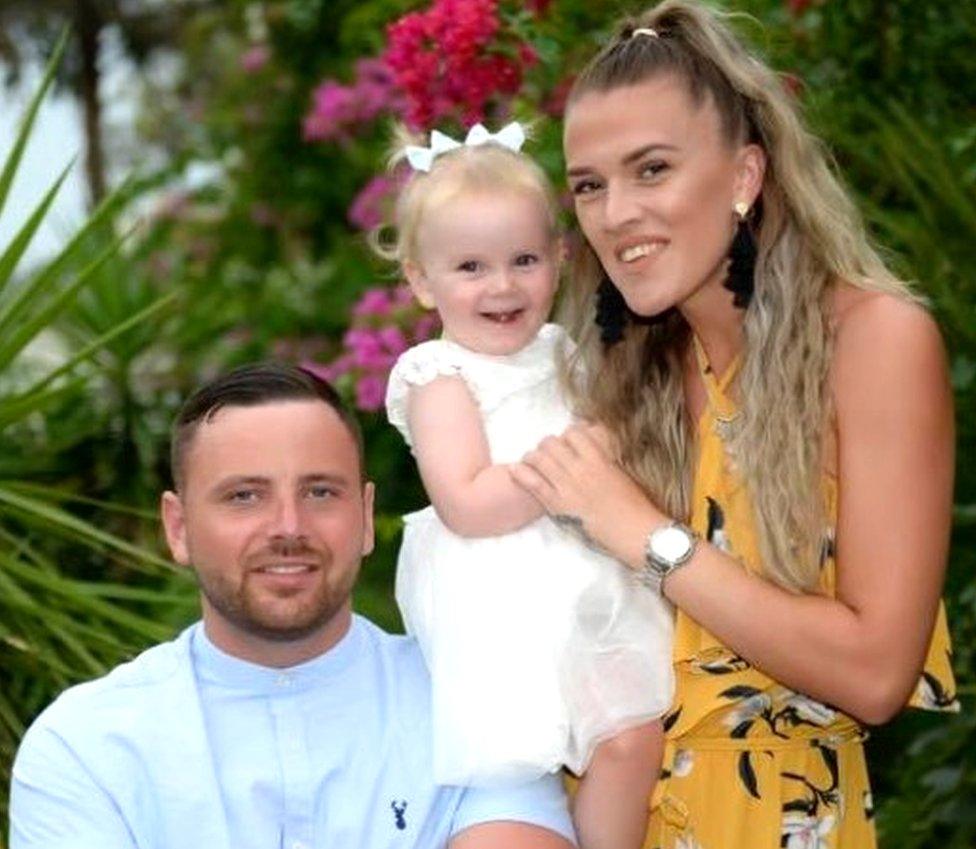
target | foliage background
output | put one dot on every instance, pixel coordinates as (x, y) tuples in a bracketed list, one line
[(267, 257)]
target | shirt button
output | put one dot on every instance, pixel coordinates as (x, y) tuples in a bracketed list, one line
[(298, 845), (284, 681)]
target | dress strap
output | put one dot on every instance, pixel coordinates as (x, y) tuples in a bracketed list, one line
[(716, 386)]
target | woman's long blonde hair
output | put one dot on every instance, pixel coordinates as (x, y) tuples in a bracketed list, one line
[(809, 236)]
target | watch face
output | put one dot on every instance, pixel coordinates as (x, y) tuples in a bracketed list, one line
[(671, 544)]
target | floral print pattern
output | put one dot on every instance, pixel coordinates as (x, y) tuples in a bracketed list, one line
[(749, 762)]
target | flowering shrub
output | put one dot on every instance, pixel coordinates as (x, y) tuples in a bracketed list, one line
[(337, 109), (385, 322), (367, 209), (456, 55)]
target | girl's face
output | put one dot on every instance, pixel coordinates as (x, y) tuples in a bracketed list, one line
[(654, 184), (488, 263)]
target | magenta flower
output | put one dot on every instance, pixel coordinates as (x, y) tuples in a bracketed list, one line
[(386, 321), (337, 109), (333, 106), (366, 210), (255, 58), (426, 327), (373, 302), (454, 57), (402, 296), (370, 392), (393, 339)]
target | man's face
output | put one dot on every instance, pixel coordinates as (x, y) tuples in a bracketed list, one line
[(274, 520)]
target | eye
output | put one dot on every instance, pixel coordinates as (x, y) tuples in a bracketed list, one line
[(469, 266), (652, 169), (322, 492), (584, 186), (241, 495), (526, 259)]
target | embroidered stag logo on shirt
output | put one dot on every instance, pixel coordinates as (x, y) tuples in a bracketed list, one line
[(398, 812)]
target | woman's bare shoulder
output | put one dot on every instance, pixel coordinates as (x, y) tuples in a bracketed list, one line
[(874, 326), (887, 343)]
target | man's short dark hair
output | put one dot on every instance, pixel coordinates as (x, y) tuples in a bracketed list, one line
[(253, 386)]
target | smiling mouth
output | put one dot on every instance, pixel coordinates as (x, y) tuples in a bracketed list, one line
[(285, 569), (639, 251), (503, 317)]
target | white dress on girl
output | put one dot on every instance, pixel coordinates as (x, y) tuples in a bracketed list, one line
[(538, 646)]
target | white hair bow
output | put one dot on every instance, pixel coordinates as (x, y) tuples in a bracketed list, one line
[(511, 136)]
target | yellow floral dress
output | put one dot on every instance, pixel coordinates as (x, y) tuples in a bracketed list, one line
[(748, 762)]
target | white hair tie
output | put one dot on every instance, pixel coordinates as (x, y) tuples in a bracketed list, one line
[(511, 136), (653, 33)]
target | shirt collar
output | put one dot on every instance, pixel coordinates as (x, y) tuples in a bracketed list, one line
[(214, 666)]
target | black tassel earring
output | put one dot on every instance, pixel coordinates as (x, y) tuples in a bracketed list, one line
[(742, 260), (611, 313)]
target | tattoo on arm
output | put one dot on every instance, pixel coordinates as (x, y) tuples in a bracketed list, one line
[(575, 525)]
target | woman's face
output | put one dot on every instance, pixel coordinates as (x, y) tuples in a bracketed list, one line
[(654, 184)]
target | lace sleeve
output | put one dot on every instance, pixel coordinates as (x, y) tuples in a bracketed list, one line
[(417, 367)]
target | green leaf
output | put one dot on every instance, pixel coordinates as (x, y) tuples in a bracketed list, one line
[(27, 122), (15, 250)]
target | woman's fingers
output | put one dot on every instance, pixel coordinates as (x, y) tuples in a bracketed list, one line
[(590, 442), (535, 483)]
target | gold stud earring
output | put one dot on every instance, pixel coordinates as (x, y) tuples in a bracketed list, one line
[(741, 209)]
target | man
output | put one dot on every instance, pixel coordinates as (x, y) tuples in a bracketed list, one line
[(281, 721)]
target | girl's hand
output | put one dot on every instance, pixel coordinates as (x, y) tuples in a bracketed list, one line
[(576, 479)]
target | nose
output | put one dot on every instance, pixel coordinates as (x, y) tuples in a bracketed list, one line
[(502, 282), (620, 206), (287, 519)]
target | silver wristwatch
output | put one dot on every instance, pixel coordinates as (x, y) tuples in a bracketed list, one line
[(666, 548)]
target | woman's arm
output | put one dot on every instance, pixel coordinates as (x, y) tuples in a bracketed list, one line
[(863, 650), (472, 497)]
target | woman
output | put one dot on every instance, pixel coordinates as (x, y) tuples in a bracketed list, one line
[(765, 379)]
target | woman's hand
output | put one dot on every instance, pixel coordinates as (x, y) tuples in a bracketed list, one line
[(576, 479)]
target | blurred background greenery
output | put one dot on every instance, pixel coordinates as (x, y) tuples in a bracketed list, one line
[(265, 126)]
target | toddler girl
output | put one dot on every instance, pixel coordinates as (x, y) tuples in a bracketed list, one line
[(542, 652)]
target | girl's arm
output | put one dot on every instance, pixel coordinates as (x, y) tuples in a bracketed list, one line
[(472, 497), (862, 651)]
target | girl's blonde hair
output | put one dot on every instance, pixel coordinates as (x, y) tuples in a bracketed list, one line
[(809, 237), (488, 167)]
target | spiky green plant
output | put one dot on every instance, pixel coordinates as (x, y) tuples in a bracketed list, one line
[(65, 613)]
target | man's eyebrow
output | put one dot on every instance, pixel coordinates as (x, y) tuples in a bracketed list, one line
[(325, 477), (239, 480), (264, 480), (626, 159)]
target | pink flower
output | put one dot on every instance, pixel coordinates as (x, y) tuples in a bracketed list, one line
[(255, 58), (336, 108), (373, 302), (402, 296), (368, 349), (393, 339), (385, 322), (366, 210), (333, 106), (425, 328), (370, 392)]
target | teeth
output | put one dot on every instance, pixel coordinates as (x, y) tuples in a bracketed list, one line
[(637, 251), (285, 569), (503, 317)]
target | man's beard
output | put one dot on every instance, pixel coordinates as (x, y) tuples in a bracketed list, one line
[(255, 613)]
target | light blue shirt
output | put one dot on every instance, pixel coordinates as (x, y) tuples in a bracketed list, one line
[(187, 747)]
